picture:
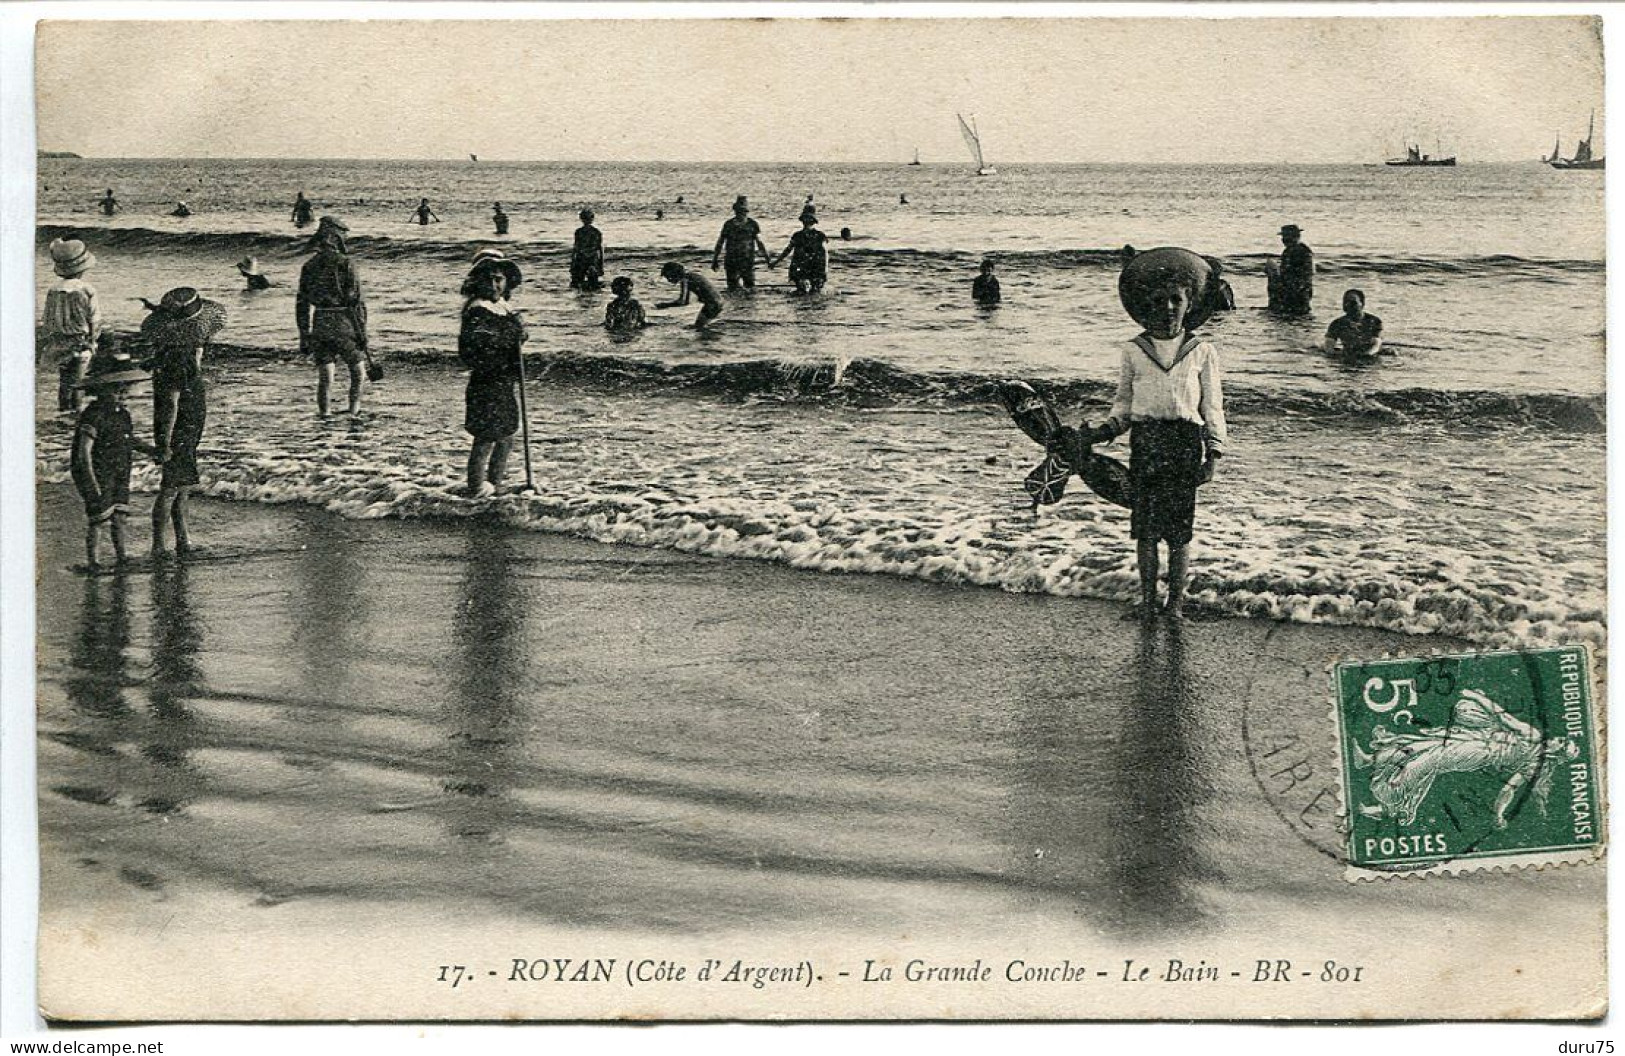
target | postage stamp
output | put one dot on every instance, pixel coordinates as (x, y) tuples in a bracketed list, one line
[(1455, 763)]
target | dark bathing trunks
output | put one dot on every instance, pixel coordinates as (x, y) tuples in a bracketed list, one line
[(1165, 465)]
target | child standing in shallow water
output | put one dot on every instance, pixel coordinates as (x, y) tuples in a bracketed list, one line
[(1170, 400), (103, 442), (72, 320)]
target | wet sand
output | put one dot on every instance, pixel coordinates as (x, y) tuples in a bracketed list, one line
[(298, 783)]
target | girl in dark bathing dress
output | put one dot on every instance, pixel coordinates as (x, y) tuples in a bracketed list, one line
[(489, 345)]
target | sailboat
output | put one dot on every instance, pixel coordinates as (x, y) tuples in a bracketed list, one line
[(1557, 148), (916, 160), (473, 157), (973, 140), (1582, 154), (1414, 158)]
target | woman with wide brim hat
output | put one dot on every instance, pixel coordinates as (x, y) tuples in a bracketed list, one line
[(178, 330), (101, 455), (489, 343)]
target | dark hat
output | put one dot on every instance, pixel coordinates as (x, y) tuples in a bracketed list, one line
[(331, 223), (809, 217), (1156, 269), (621, 283), (111, 366), (1291, 229), (586, 214), (741, 202)]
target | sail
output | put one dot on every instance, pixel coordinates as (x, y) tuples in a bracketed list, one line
[(1414, 152), (1557, 147), (972, 141)]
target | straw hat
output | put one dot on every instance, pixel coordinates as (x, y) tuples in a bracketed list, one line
[(1156, 269), (115, 368), (249, 265), (184, 317), (495, 259), (70, 257)]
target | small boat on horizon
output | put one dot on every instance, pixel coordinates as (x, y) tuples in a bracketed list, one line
[(916, 160), (1582, 154), (1414, 158), (973, 140)]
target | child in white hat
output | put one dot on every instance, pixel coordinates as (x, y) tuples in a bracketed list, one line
[(72, 319)]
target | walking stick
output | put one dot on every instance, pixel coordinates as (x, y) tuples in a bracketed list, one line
[(524, 426)]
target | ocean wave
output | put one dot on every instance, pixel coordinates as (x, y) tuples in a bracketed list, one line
[(826, 536), (459, 251), (868, 383)]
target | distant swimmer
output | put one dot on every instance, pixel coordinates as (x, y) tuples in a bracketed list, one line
[(587, 256), (181, 209), (679, 199), (985, 290), (660, 214), (738, 245), (623, 315), (691, 284), (250, 268), (1126, 254), (1292, 278), (423, 215), (499, 219), (809, 259), (302, 210), (1219, 296), (902, 199), (108, 204), (846, 234), (1356, 331)]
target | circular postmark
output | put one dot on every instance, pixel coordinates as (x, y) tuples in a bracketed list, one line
[(1413, 764)]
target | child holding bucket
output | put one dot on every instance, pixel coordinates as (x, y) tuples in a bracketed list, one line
[(1170, 401)]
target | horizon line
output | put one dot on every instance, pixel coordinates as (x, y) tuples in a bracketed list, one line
[(57, 155)]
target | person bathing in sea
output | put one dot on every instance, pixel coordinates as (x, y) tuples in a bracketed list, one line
[(738, 245), (331, 312), (985, 289), (423, 216), (489, 345), (302, 210), (108, 204), (499, 219), (1357, 332), (103, 442), (1220, 297), (623, 315), (587, 255), (689, 284), (809, 259), (72, 320), (1292, 277), (181, 209), (178, 330), (1170, 401), (250, 269)]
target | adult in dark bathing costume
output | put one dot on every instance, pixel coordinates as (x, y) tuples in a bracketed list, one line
[(1292, 278), (302, 210), (809, 259), (489, 345), (737, 246), (499, 219), (331, 312)]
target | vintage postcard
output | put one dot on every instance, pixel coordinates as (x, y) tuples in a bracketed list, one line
[(791, 518)]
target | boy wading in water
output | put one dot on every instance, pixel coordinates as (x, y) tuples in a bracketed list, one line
[(330, 312), (1170, 400), (692, 283), (102, 444)]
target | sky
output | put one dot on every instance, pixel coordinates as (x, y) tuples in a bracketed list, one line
[(1320, 90)]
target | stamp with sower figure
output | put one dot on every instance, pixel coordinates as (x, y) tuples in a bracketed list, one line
[(1455, 763)]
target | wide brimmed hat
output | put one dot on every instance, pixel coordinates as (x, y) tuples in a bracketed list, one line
[(809, 217), (1291, 229), (112, 366), (70, 257), (249, 266), (331, 223), (184, 317), (496, 260), (1156, 269)]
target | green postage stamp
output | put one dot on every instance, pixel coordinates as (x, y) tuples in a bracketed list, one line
[(1454, 763)]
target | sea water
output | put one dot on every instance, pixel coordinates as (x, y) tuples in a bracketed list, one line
[(1455, 487)]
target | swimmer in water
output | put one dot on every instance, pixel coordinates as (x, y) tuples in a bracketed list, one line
[(691, 284), (423, 215), (302, 210), (109, 204), (985, 290), (499, 219)]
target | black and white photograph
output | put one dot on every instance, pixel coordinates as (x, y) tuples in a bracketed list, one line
[(585, 518)]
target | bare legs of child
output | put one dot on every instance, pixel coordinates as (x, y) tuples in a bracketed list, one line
[(324, 383), (1150, 570), (170, 509), (93, 533), (487, 465)]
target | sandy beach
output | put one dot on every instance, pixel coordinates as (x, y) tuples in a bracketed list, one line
[(369, 749)]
